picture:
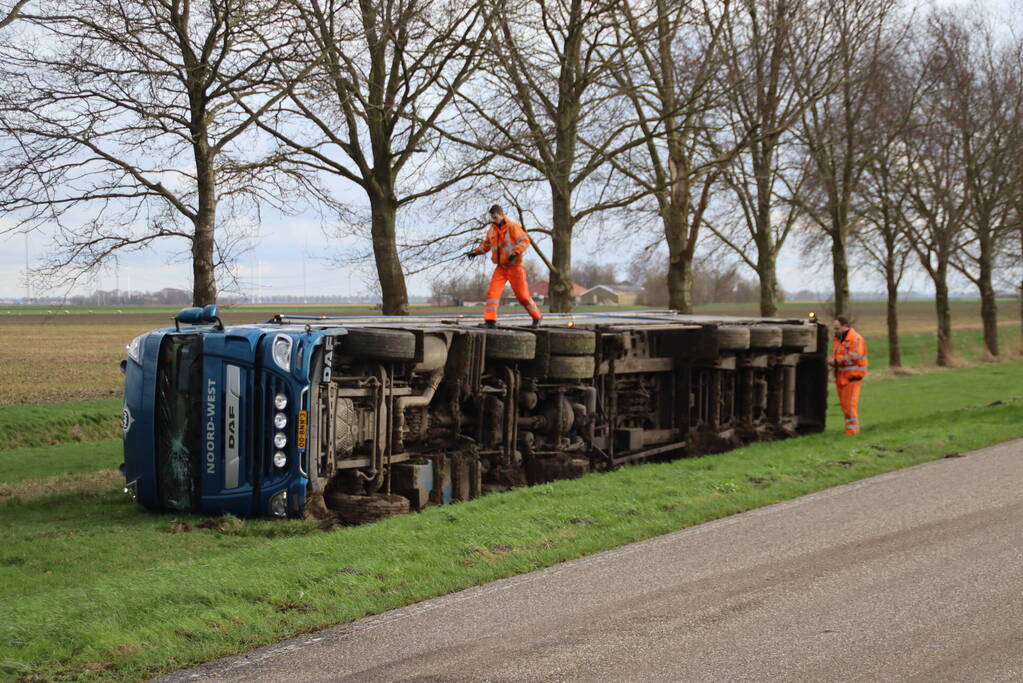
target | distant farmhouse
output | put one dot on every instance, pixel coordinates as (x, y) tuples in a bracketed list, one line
[(619, 293), (540, 291)]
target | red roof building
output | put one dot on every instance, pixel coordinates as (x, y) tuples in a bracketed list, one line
[(542, 287)]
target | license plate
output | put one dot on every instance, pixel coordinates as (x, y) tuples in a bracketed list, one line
[(303, 423)]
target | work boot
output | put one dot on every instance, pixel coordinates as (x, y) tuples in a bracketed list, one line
[(490, 324), (536, 323)]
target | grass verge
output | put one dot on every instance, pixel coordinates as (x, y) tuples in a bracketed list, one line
[(43, 424), (41, 464), (96, 588)]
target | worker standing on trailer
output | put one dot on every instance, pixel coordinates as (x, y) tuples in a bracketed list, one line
[(507, 243), (850, 363)]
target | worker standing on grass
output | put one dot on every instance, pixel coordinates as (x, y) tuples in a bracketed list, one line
[(507, 243), (850, 363)]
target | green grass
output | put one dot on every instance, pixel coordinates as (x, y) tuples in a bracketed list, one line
[(920, 350), (23, 464), (56, 423), (94, 587)]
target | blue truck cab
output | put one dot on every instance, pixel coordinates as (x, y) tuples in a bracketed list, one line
[(215, 417)]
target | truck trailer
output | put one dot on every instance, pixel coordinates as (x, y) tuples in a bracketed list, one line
[(366, 417)]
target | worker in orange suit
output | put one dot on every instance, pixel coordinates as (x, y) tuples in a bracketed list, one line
[(850, 364), (507, 243)]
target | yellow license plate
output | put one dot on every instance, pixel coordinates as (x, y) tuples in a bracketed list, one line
[(303, 424)]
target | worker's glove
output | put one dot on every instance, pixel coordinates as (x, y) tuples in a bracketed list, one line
[(471, 254)]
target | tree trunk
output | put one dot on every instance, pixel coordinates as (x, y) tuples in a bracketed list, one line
[(383, 210), (988, 306), (204, 284), (680, 283), (768, 282), (675, 214), (840, 269), (560, 288), (989, 316), (680, 259), (944, 313), (892, 318), (766, 256)]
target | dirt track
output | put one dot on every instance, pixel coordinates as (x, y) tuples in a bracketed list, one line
[(913, 575)]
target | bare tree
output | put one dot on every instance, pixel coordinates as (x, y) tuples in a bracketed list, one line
[(883, 205), (384, 75), (546, 105), (592, 273), (838, 129), (669, 83), (986, 110), (1013, 258), (935, 177), (776, 64), (8, 15), (121, 126)]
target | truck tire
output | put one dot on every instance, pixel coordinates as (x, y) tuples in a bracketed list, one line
[(801, 336), (570, 367), (510, 345), (733, 338), (564, 342), (352, 509), (765, 337), (379, 344)]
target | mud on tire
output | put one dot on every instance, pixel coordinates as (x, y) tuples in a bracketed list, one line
[(379, 344), (765, 337), (803, 336), (570, 367), (510, 345), (564, 342), (733, 338), (353, 509)]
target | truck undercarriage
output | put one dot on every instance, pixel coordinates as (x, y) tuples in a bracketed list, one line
[(425, 411)]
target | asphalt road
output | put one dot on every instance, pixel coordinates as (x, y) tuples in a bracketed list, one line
[(913, 575)]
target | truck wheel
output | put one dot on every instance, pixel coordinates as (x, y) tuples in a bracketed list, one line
[(379, 344), (562, 342), (802, 336), (352, 509), (765, 337), (509, 345), (733, 338), (570, 367)]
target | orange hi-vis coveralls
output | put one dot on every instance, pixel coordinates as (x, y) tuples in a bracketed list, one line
[(850, 368), (507, 243)]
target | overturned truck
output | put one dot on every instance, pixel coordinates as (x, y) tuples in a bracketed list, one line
[(369, 417)]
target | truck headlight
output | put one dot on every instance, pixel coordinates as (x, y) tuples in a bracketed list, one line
[(280, 420), (279, 504), (281, 352), (280, 401), (280, 440), (135, 348), (280, 459)]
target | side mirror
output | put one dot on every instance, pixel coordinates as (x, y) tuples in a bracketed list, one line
[(189, 316), (208, 314), (198, 316)]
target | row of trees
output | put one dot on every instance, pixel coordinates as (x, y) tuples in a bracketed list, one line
[(881, 134)]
